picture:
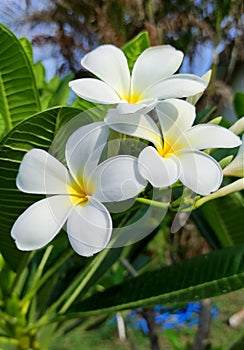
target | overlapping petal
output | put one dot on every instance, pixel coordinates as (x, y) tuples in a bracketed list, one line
[(159, 171), (117, 179), (84, 148), (153, 65), (109, 64), (41, 173), (199, 172), (89, 228), (41, 222), (175, 117), (144, 106), (141, 125)]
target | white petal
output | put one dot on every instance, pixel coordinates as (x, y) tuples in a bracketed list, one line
[(206, 77), (40, 172), (235, 186), (154, 64), (138, 125), (144, 106), (159, 171), (238, 127), (236, 167), (117, 179), (204, 136), (84, 148), (175, 116), (200, 172), (89, 228), (109, 63), (176, 86), (41, 222), (94, 90)]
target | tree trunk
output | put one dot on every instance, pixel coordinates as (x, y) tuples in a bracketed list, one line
[(201, 340), (149, 316)]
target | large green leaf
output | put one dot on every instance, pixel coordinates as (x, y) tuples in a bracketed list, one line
[(61, 94), (225, 217), (26, 44), (209, 275), (18, 93), (96, 111), (35, 132), (135, 47)]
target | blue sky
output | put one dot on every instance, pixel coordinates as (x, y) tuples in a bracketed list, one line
[(10, 9)]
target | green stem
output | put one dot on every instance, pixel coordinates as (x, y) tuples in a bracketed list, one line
[(46, 276), (152, 202), (21, 275), (83, 280), (235, 186)]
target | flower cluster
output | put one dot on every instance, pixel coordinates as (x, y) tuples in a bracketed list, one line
[(146, 104)]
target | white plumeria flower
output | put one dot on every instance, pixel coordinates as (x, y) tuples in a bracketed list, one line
[(176, 154), (151, 80), (74, 194), (236, 167)]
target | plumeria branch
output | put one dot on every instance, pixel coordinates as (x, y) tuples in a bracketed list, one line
[(224, 191), (152, 202), (196, 202)]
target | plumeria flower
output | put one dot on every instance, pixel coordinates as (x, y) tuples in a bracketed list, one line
[(74, 194), (151, 80), (176, 151)]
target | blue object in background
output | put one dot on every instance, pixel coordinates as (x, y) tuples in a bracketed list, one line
[(168, 319)]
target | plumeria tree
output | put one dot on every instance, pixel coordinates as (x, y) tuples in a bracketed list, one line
[(112, 170)]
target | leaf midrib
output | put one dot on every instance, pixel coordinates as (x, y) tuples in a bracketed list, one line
[(6, 116)]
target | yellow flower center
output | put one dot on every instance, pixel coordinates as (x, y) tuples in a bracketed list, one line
[(167, 150), (132, 98), (78, 194)]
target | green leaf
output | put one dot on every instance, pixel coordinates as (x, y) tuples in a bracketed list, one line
[(209, 275), (53, 93), (26, 44), (239, 103), (40, 75), (36, 132), (135, 47), (2, 127), (96, 111), (60, 96), (205, 229), (89, 277), (239, 345), (48, 90), (18, 93), (225, 217)]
